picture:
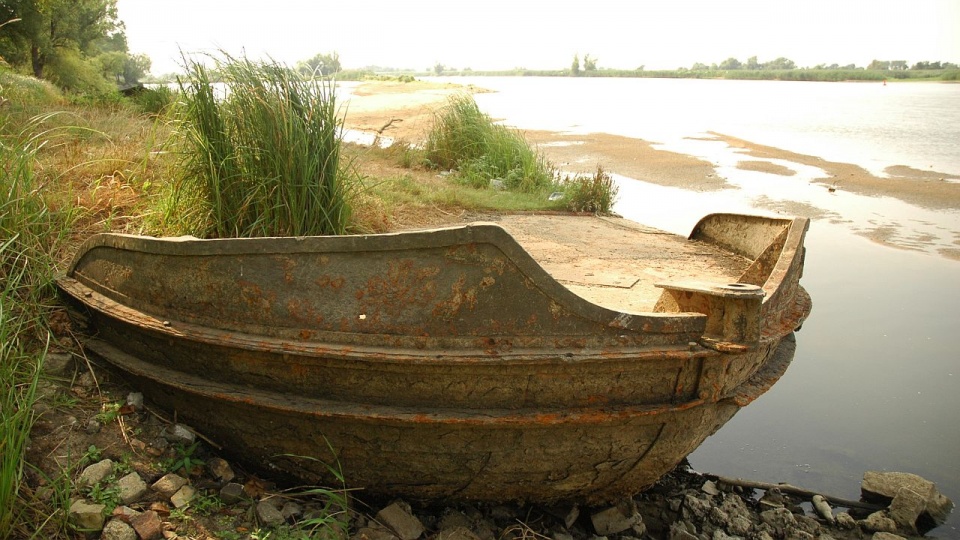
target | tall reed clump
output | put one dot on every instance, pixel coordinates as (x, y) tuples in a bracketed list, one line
[(466, 139), (263, 159), (30, 234)]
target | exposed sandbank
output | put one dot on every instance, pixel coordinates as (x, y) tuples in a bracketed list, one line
[(410, 107)]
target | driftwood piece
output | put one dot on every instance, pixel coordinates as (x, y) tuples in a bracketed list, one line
[(794, 490), (388, 124)]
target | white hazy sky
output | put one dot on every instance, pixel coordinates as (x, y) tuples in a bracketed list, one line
[(503, 34)]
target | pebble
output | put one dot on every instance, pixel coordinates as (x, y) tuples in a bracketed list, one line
[(268, 515), (179, 434), (116, 529), (135, 400)]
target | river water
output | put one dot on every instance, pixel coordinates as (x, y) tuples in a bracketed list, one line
[(875, 384)]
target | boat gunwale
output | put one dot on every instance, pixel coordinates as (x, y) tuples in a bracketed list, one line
[(476, 232)]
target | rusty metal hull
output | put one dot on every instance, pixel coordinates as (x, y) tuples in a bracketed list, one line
[(439, 364)]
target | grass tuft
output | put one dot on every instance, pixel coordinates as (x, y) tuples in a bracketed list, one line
[(262, 160), (467, 140)]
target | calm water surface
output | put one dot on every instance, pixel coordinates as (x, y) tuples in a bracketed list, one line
[(875, 384)]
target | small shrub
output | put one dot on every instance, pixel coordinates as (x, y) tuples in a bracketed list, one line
[(71, 72), (466, 139), (595, 193), (154, 101)]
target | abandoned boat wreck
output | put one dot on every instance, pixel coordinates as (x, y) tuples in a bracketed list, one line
[(489, 361)]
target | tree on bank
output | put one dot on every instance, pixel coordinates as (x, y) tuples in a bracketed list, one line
[(589, 64), (730, 63), (320, 64), (78, 44), (575, 65)]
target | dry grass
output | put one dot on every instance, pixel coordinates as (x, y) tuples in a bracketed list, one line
[(105, 162)]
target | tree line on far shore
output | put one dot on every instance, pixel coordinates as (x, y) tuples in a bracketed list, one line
[(731, 68)]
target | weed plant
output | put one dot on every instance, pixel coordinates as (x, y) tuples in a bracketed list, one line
[(467, 140), (262, 160), (595, 193)]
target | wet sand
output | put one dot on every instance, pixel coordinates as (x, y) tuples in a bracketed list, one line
[(404, 111)]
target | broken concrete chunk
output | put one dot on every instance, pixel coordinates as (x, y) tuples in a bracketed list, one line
[(95, 473), (86, 515), (179, 434), (886, 486), (220, 469), (132, 488), (231, 493), (401, 521), (148, 525), (906, 509), (183, 496), (616, 519), (169, 484), (710, 488)]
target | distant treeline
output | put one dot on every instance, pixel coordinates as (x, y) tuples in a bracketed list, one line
[(799, 74), (780, 69)]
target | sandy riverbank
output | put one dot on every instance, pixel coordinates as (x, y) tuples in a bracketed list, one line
[(411, 105), (407, 111)]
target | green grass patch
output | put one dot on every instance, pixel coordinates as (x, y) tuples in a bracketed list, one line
[(20, 89), (262, 160)]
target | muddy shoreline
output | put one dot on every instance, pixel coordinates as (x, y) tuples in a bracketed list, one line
[(410, 108), (404, 112)]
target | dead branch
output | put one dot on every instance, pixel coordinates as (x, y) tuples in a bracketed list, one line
[(794, 490)]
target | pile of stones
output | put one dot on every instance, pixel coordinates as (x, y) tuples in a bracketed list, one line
[(684, 505)]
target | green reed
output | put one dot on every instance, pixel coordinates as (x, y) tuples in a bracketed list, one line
[(466, 139), (30, 235), (265, 158)]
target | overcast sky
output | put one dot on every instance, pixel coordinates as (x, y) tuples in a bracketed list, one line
[(503, 34)]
